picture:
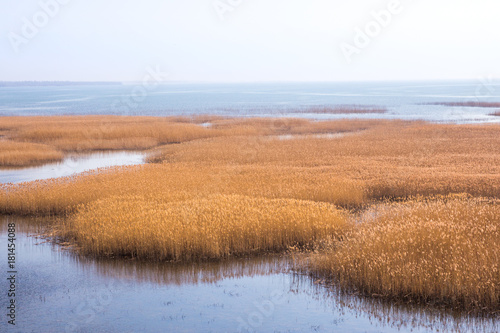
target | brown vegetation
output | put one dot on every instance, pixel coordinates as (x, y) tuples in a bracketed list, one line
[(393, 159), (91, 133), (470, 104), (177, 182), (16, 154), (441, 251), (389, 160), (101, 132), (235, 188), (213, 227), (346, 109)]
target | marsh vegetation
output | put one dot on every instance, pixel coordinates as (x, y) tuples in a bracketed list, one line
[(402, 210)]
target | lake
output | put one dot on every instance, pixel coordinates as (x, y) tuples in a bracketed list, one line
[(403, 100)]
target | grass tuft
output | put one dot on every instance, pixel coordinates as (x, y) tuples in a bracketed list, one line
[(209, 228), (443, 251), (18, 154)]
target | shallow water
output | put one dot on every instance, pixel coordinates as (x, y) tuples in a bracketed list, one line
[(58, 291), (71, 165)]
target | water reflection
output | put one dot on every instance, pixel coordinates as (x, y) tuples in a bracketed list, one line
[(162, 273), (400, 316), (61, 291), (71, 165)]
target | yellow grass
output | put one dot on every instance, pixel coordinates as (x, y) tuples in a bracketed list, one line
[(388, 160), (91, 133), (439, 251), (101, 132), (237, 188), (176, 182), (213, 227), (16, 154), (394, 159)]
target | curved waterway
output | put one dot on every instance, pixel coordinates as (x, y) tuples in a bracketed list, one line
[(59, 291), (71, 165)]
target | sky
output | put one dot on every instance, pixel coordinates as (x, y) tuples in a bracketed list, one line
[(248, 40)]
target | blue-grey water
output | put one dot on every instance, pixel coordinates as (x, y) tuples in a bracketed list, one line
[(71, 165), (58, 291), (403, 100)]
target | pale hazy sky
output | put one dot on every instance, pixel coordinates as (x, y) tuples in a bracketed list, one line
[(258, 40)]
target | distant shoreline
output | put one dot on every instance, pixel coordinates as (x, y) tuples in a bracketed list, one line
[(53, 83)]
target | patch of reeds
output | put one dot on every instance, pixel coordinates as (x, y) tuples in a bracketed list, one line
[(176, 182), (17, 154), (392, 159), (207, 228), (470, 104), (430, 251), (345, 109), (389, 160), (97, 133)]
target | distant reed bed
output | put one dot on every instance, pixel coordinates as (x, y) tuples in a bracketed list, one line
[(64, 134), (470, 104), (345, 109), (391, 160)]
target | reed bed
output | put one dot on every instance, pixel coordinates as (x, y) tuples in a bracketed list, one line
[(94, 133), (110, 135), (440, 251), (17, 154), (345, 109), (388, 160), (234, 188), (177, 182), (208, 228), (497, 113), (470, 104), (392, 160)]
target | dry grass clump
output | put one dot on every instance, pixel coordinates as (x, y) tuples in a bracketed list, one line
[(497, 113), (16, 154), (109, 133), (470, 104), (277, 126), (444, 251), (213, 227)]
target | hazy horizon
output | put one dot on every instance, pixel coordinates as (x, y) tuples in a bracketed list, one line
[(231, 41)]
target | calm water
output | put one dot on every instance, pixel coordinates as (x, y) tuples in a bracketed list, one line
[(58, 291), (71, 165), (403, 99)]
